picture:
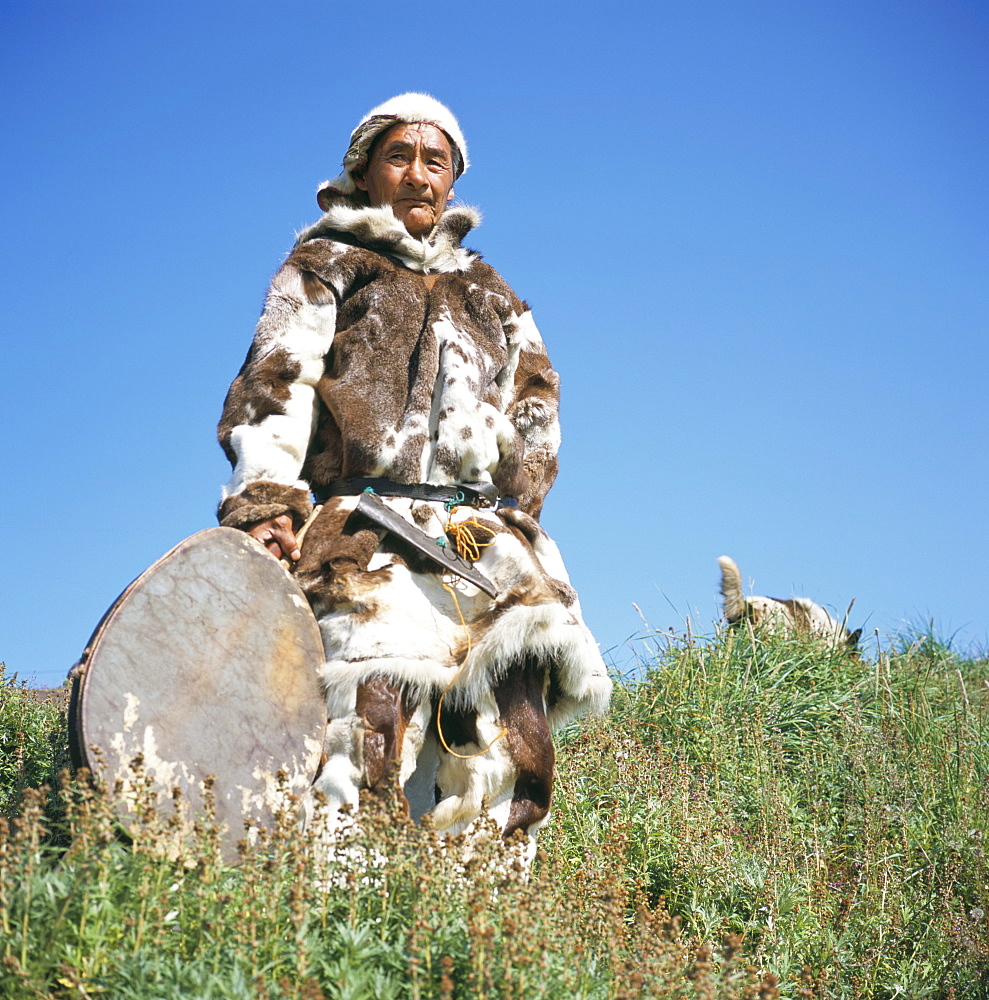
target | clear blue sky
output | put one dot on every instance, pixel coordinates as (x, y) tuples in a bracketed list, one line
[(754, 236)]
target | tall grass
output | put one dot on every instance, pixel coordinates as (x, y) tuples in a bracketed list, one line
[(757, 817), (33, 741)]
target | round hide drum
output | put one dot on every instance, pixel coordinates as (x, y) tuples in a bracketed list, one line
[(205, 665)]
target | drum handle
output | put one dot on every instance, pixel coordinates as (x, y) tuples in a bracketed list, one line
[(301, 533)]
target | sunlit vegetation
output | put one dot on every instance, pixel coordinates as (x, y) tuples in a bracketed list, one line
[(757, 817)]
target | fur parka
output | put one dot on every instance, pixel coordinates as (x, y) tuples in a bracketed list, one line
[(382, 355)]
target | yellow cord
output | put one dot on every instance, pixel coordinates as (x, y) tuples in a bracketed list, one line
[(464, 537), (456, 604)]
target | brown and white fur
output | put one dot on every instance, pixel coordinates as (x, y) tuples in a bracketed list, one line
[(797, 615), (383, 355)]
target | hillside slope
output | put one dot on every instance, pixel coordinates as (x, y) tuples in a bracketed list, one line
[(756, 817)]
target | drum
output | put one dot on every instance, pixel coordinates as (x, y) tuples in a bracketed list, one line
[(206, 665)]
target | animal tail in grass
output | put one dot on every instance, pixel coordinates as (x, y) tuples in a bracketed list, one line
[(731, 589)]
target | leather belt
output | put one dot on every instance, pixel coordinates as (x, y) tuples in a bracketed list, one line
[(461, 494)]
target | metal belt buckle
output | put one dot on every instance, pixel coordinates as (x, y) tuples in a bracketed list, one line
[(486, 493)]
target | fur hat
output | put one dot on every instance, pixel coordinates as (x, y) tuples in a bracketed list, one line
[(408, 108)]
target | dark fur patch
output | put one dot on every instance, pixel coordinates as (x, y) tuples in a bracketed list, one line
[(262, 500), (422, 514), (519, 695), (335, 556), (459, 725), (260, 390), (316, 290), (385, 710)]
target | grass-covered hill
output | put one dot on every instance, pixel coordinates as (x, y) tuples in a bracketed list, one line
[(757, 817)]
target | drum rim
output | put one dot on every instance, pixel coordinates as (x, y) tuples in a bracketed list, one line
[(80, 746)]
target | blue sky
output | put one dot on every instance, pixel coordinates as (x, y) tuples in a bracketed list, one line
[(754, 236)]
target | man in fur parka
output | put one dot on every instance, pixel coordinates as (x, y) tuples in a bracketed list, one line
[(391, 360)]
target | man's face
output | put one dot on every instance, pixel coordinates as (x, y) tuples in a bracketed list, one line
[(411, 169)]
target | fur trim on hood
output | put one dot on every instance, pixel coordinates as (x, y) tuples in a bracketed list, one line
[(377, 229), (408, 108)]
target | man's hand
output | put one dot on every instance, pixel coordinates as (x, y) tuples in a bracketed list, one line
[(277, 536)]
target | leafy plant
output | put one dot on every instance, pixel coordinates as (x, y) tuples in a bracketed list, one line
[(33, 741), (756, 817)]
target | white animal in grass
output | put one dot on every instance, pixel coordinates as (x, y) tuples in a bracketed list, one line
[(796, 615)]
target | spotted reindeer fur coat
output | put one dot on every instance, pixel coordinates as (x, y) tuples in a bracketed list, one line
[(383, 355)]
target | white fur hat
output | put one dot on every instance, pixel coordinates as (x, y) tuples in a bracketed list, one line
[(408, 108)]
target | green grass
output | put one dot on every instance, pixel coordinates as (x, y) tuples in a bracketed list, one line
[(33, 742), (757, 817)]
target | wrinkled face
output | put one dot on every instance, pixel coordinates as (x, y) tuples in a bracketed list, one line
[(411, 169)]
